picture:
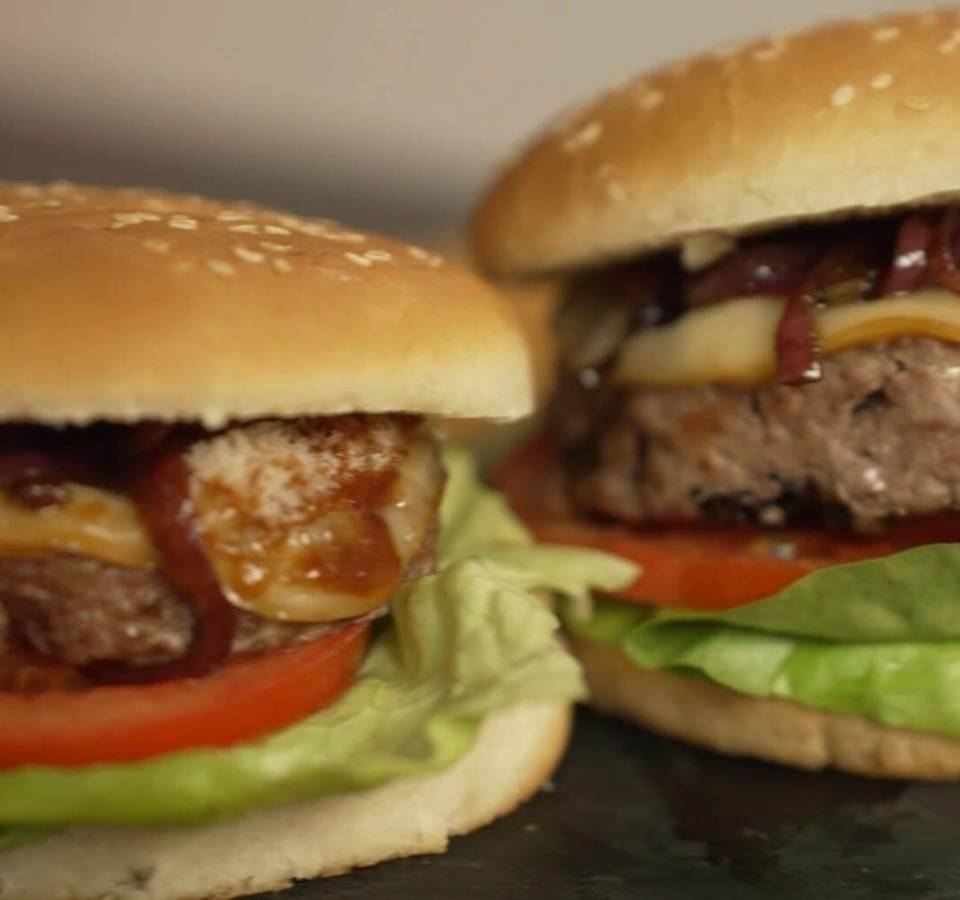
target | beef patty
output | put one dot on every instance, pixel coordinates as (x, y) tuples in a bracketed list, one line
[(877, 437), (81, 611)]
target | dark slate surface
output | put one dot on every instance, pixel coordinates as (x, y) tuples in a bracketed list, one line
[(637, 816)]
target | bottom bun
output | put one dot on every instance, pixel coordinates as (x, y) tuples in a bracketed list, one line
[(779, 731), (515, 752)]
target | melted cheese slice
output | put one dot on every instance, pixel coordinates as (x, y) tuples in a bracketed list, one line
[(92, 522), (734, 342), (268, 570)]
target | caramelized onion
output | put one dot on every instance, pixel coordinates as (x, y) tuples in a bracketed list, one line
[(773, 267), (849, 263), (35, 478), (162, 492), (943, 257), (601, 309), (798, 356), (910, 265), (848, 270)]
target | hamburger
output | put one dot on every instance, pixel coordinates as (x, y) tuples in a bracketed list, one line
[(758, 395), (256, 623)]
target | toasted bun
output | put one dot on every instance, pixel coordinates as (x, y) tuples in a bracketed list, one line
[(849, 118), (515, 753), (132, 304), (779, 731)]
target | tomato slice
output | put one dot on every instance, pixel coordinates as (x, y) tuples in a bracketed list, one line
[(243, 700), (704, 567)]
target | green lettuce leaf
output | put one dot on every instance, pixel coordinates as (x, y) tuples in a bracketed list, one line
[(879, 638), (911, 683), (908, 596), (473, 638), (477, 523)]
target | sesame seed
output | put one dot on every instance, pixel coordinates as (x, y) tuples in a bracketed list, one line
[(843, 95), (183, 223), (247, 255), (651, 100), (184, 265), (290, 221), (951, 43), (7, 216), (245, 229), (126, 219), (425, 256), (357, 259), (276, 248), (221, 268), (920, 104), (53, 203), (889, 33), (882, 81), (155, 246), (281, 265), (378, 255), (276, 229), (233, 215), (313, 229), (349, 237), (583, 137)]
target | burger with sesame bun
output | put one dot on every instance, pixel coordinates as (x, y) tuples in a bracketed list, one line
[(256, 623), (759, 390)]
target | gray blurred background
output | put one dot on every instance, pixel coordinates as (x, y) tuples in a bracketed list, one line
[(389, 114)]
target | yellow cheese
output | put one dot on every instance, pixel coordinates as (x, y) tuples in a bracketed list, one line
[(734, 342), (92, 522), (268, 526)]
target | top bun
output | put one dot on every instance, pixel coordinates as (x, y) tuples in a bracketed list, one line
[(134, 304), (849, 118)]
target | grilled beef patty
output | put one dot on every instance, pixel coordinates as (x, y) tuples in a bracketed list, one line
[(81, 611), (877, 437)]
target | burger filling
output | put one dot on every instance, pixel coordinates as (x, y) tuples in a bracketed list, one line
[(770, 430), (153, 552), (808, 376)]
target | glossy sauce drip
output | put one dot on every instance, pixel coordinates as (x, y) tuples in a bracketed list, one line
[(343, 545), (332, 556)]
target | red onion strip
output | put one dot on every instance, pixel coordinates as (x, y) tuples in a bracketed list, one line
[(911, 255), (943, 257), (775, 267), (798, 356)]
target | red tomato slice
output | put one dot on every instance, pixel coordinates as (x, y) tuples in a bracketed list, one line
[(243, 700), (704, 567)]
